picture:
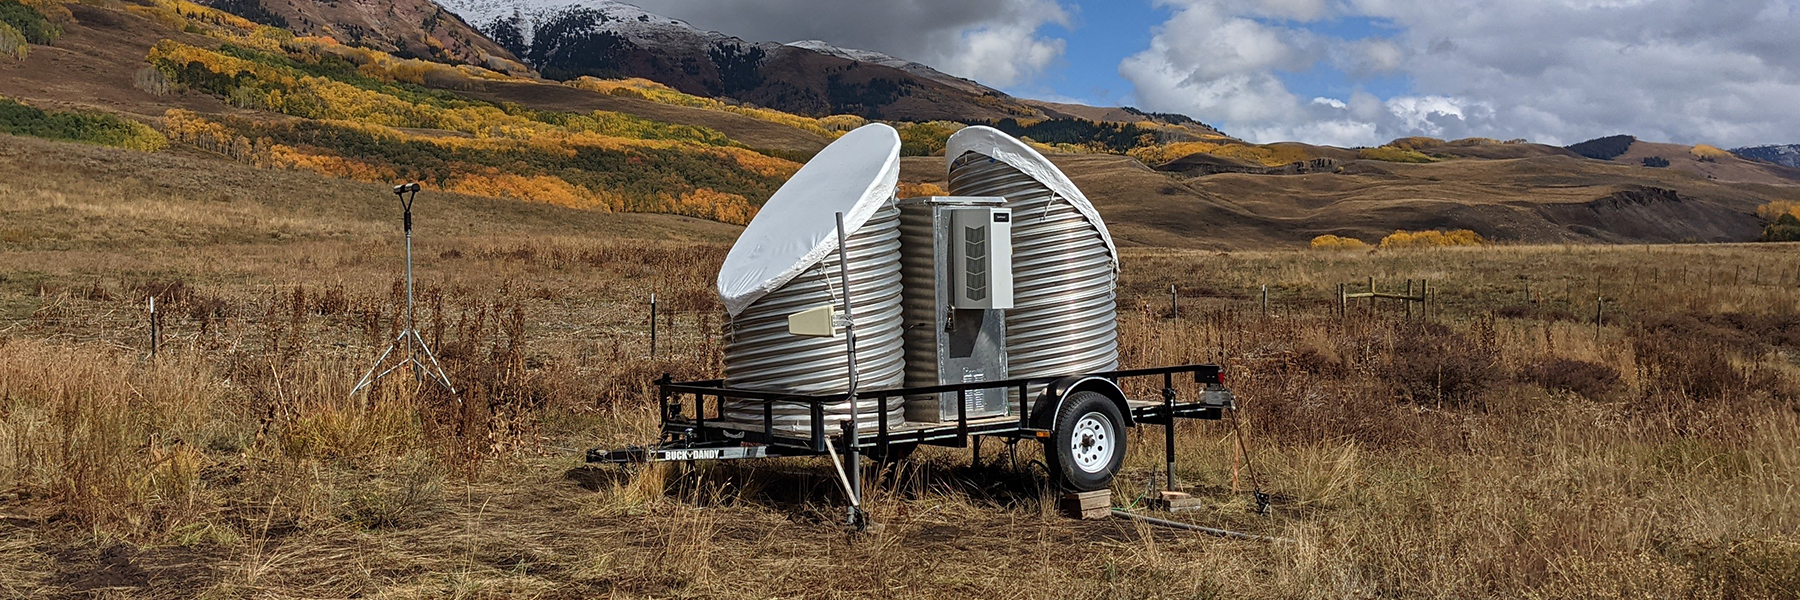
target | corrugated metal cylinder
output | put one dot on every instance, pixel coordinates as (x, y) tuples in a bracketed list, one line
[(1063, 320), (761, 354), (919, 272)]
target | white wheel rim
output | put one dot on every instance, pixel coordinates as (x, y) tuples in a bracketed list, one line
[(1091, 443)]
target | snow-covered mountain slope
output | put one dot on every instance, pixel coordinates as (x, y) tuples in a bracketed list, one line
[(605, 38), (634, 24), (1787, 155)]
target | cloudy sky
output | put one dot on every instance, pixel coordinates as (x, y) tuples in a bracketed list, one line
[(1347, 72)]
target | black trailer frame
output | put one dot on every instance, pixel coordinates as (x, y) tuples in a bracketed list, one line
[(693, 435)]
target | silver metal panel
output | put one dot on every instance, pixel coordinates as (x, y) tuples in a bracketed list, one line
[(761, 354), (1063, 320), (945, 344), (981, 249)]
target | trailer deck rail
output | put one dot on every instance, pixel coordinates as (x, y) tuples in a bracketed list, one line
[(692, 430)]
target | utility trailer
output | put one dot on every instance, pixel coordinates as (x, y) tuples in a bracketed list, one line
[(991, 312), (1080, 419)]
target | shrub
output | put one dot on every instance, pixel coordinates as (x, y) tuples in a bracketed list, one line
[(1390, 154), (36, 28), (1433, 365), (1656, 162), (1784, 221), (925, 139), (1588, 379), (1432, 238), (1268, 156), (12, 43), (1774, 210), (94, 128), (1693, 358), (1332, 242), (356, 112), (1606, 148), (1094, 135), (1709, 153), (915, 190), (1414, 143), (253, 10), (1786, 228)]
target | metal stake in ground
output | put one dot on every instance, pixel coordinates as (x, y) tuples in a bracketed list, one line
[(155, 328), (409, 338), (857, 517)]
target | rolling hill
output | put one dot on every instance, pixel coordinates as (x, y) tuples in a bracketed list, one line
[(1544, 199)]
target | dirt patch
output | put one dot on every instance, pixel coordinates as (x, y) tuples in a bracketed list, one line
[(83, 570)]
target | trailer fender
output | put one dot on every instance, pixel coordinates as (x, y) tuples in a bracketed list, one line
[(1043, 414)]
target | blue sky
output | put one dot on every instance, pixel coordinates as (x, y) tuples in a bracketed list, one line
[(1103, 33), (1346, 72)]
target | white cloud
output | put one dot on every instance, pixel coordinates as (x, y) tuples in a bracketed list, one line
[(1002, 55), (1204, 61), (1557, 71), (996, 42), (1371, 56)]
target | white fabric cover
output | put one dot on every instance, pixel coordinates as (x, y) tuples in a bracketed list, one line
[(996, 144), (795, 229)]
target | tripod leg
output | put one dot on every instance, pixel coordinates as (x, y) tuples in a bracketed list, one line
[(369, 377), (437, 370), (389, 370)]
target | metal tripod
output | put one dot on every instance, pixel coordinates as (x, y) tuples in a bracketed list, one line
[(409, 341)]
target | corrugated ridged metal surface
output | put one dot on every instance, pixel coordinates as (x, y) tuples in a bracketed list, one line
[(1063, 320), (918, 276), (761, 354)]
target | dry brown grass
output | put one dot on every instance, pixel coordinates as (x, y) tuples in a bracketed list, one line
[(236, 465)]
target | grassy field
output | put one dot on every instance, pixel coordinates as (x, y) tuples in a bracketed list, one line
[(1507, 446)]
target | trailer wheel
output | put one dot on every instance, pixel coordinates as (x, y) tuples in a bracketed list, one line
[(1088, 445)]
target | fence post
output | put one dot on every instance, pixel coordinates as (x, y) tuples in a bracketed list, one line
[(1343, 303), (1409, 299), (1265, 301), (1371, 295), (653, 325)]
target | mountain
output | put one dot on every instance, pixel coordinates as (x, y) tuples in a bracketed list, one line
[(608, 39), (1787, 155), (404, 28), (877, 58)]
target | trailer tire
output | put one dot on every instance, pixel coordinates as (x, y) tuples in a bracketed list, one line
[(1087, 446)]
